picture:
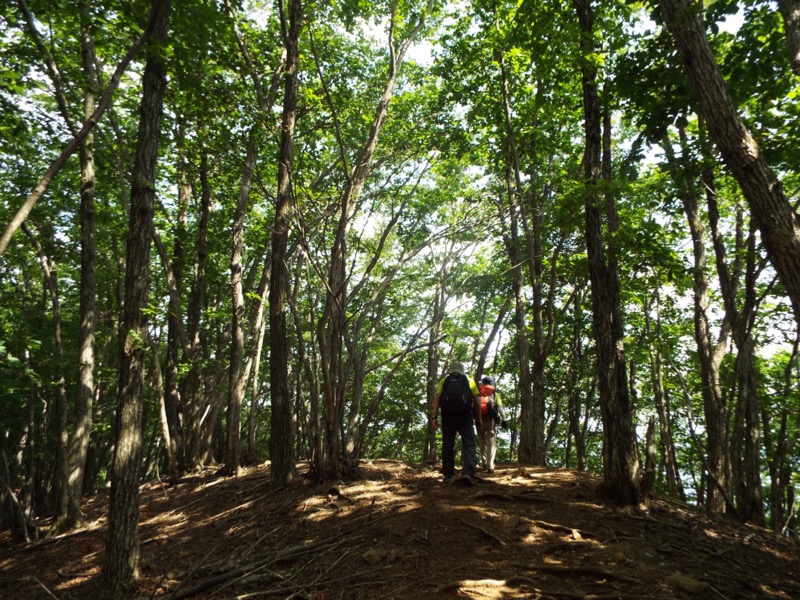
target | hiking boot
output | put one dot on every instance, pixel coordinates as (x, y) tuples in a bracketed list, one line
[(490, 471), (449, 479), (466, 480)]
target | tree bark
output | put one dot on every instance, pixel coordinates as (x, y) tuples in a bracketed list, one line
[(661, 400), (281, 445), (620, 457), (576, 373), (237, 381), (532, 433), (790, 11), (192, 386), (525, 449), (121, 565), (58, 410), (709, 354), (770, 208), (177, 338), (79, 443), (432, 354)]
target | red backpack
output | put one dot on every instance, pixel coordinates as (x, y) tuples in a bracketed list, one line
[(486, 391)]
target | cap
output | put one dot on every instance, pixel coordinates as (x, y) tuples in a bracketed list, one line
[(456, 367)]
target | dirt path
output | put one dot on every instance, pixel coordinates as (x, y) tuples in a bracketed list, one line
[(398, 532)]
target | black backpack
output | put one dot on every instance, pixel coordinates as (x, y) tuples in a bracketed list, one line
[(456, 394)]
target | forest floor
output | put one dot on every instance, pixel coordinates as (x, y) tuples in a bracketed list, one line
[(397, 532)]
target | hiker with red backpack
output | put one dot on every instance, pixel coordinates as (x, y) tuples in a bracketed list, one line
[(491, 415), (457, 395)]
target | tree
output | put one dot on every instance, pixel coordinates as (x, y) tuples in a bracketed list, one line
[(776, 219), (79, 442), (77, 140), (281, 446), (620, 458), (121, 565), (710, 352), (790, 11)]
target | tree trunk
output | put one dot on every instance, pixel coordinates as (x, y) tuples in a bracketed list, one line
[(176, 445), (575, 376), (790, 11), (237, 380), (532, 447), (121, 566), (660, 400), (192, 386), (432, 354), (281, 445), (743, 442), (58, 409), (746, 439), (525, 451), (79, 443), (709, 355), (332, 326), (620, 457), (770, 209)]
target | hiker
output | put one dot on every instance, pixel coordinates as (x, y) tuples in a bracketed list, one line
[(491, 415), (459, 399)]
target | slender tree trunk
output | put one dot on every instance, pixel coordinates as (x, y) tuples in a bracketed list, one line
[(31, 446), (744, 440), (237, 380), (121, 566), (250, 456), (575, 376), (492, 337), (790, 11), (308, 359), (176, 450), (660, 400), (525, 452), (59, 406), (79, 443), (281, 444), (191, 392), (620, 457), (532, 446), (432, 354), (709, 356), (770, 208)]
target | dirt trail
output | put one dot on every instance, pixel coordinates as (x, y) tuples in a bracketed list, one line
[(398, 532)]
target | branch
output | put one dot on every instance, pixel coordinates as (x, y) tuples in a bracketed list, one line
[(482, 530), (72, 146)]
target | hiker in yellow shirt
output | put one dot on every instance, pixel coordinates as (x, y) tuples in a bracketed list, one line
[(458, 397)]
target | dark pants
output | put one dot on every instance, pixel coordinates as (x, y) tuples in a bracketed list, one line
[(460, 423)]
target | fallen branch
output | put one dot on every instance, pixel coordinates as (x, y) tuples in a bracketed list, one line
[(484, 531), (573, 570), (251, 568), (569, 546), (557, 527), (294, 589), (512, 497), (44, 587), (530, 583)]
